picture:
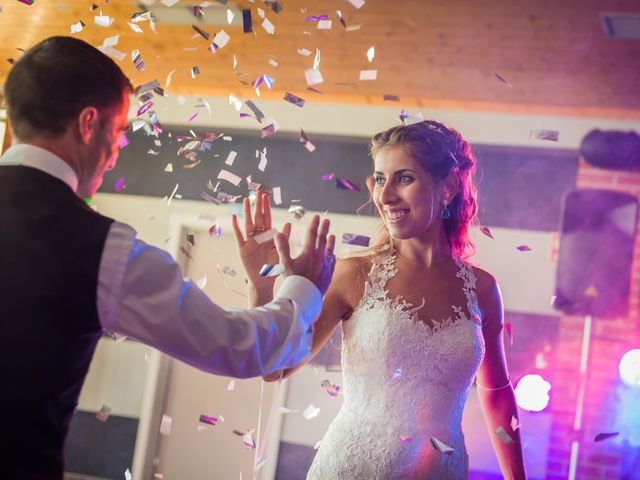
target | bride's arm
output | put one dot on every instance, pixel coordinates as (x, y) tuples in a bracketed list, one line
[(494, 387), (337, 305)]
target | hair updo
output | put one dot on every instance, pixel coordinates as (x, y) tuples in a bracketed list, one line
[(441, 152)]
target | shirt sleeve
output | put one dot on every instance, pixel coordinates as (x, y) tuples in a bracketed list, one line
[(142, 294)]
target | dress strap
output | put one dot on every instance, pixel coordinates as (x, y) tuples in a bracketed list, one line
[(465, 272)]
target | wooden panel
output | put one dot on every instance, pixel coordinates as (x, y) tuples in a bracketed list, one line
[(437, 53)]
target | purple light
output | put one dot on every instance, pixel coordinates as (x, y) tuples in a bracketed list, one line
[(532, 393), (629, 368)]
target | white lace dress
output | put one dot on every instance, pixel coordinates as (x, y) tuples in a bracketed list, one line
[(404, 382)]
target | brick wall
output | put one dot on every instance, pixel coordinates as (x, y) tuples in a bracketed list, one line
[(610, 339)]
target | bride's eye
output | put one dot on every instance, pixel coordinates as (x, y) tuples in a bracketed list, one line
[(405, 179), (378, 180)]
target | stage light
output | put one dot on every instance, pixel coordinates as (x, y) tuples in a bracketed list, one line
[(532, 393), (629, 368)]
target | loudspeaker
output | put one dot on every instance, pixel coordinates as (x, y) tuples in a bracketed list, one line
[(596, 250), (612, 149)]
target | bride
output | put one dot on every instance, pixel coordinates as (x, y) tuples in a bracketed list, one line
[(419, 323)]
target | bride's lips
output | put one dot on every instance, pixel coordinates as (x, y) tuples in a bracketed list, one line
[(395, 216)]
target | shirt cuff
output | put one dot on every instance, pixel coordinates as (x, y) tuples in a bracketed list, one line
[(302, 291)]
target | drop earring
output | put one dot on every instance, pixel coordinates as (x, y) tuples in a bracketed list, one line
[(446, 213)]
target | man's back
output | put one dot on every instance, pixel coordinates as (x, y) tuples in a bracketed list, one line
[(50, 250)]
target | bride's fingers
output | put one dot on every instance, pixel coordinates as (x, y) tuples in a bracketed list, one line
[(248, 222), (266, 211), (237, 231)]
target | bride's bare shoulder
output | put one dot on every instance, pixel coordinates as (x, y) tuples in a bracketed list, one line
[(350, 277)]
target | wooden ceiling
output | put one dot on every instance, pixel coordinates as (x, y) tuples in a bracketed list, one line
[(552, 56)]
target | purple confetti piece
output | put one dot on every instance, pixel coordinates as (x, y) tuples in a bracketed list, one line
[(124, 141), (605, 436), (353, 239), (120, 185), (327, 177), (202, 33), (247, 24), (524, 248), (315, 18), (143, 109), (391, 98), (344, 184), (192, 117), (208, 420), (294, 99)]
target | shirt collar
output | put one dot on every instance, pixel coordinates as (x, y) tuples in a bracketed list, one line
[(41, 159)]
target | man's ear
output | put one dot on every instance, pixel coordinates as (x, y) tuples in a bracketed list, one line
[(87, 124)]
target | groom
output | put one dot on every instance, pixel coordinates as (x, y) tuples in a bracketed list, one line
[(68, 273)]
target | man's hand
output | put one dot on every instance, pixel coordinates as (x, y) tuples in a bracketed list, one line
[(316, 261)]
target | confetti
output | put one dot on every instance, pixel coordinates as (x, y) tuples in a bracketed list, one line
[(144, 108), (310, 412), (270, 129), (103, 413), (168, 168), (605, 436), (397, 373), (266, 236), (247, 24), (357, 3), (371, 53), (257, 112), (515, 424), (503, 80), (268, 26), (440, 446), (391, 98), (228, 271), (103, 20), (77, 27), (295, 100), (298, 211), (221, 39), (215, 230), (332, 389), (325, 25), (316, 18), (277, 195), (486, 231), (230, 158), (232, 386), (353, 239), (523, 248), (120, 185), (208, 420), (304, 52), (165, 425), (201, 32), (127, 474), (341, 18), (344, 184), (269, 270), (550, 135), (313, 77), (327, 177), (195, 71), (261, 463), (504, 436), (137, 60), (408, 119), (229, 177)]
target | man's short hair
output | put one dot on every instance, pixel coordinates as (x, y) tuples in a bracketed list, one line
[(53, 81)]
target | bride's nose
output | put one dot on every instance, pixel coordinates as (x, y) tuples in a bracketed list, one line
[(388, 194)]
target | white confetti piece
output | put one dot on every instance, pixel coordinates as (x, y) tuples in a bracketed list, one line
[(77, 27), (313, 77), (169, 3), (230, 16), (230, 158), (229, 177), (371, 53), (310, 412), (277, 195), (137, 125), (168, 168), (273, 63), (325, 24), (221, 39), (202, 283), (165, 425), (103, 414), (169, 77), (266, 236), (440, 446), (103, 20), (268, 26), (368, 74), (127, 474), (356, 3), (117, 54), (515, 424), (232, 386), (135, 27), (304, 52), (263, 159)]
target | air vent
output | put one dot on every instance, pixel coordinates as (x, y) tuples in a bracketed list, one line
[(621, 25)]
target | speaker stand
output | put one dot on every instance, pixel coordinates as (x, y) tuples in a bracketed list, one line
[(577, 421)]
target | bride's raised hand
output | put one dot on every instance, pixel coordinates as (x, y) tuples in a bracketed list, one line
[(253, 254)]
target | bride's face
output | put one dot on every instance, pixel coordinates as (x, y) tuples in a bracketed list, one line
[(408, 199)]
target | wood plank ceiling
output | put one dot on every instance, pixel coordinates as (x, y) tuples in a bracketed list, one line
[(553, 56)]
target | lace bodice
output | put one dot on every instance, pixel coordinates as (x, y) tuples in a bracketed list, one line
[(404, 381)]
